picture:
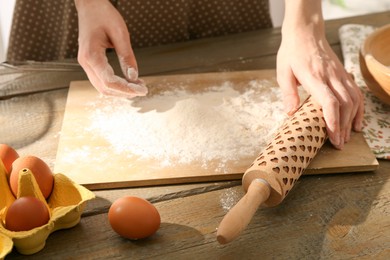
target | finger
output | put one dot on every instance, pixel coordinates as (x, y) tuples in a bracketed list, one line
[(99, 85), (95, 81), (352, 108), (357, 105), (289, 88), (358, 120), (110, 83), (358, 101), (126, 57), (93, 78), (325, 97), (347, 109)]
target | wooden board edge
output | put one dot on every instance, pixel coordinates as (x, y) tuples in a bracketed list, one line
[(217, 178), (350, 169), (161, 182)]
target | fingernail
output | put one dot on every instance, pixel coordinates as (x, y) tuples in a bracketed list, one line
[(341, 145), (290, 109), (132, 74), (337, 140), (358, 126)]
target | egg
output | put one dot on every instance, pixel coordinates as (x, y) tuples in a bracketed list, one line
[(41, 171), (26, 213), (8, 155), (134, 217)]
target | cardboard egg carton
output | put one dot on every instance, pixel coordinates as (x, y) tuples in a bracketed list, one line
[(66, 203)]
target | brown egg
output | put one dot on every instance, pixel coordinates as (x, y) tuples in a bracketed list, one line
[(26, 213), (41, 171), (134, 218), (8, 155)]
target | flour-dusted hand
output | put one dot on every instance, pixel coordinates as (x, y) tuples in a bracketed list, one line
[(306, 58), (102, 27)]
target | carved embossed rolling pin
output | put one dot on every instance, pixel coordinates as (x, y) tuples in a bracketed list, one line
[(274, 172)]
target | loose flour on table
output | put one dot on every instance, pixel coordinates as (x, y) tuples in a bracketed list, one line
[(178, 126)]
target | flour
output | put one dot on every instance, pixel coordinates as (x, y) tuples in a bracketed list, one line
[(229, 197), (179, 126)]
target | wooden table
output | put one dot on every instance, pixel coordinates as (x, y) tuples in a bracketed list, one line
[(329, 217)]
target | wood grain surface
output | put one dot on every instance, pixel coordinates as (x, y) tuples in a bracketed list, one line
[(337, 216), (130, 172)]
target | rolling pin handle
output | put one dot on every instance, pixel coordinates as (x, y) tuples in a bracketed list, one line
[(237, 219)]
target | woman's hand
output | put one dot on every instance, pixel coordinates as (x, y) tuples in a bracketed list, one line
[(101, 27), (305, 58)]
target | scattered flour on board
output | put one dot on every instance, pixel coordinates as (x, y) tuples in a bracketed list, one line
[(180, 126)]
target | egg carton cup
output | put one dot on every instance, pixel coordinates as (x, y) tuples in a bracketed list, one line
[(66, 204)]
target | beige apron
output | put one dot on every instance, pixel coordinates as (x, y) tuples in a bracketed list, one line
[(47, 30)]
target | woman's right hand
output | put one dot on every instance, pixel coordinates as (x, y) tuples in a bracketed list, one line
[(306, 58), (102, 27)]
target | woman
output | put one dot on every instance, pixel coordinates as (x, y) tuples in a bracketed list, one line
[(304, 57)]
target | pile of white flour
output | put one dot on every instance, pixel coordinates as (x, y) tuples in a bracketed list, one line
[(220, 124)]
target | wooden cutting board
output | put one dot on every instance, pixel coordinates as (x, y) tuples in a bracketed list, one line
[(89, 160)]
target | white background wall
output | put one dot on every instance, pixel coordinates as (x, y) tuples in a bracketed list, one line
[(6, 10), (276, 11), (330, 10)]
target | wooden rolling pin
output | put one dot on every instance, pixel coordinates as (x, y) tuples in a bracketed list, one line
[(274, 172)]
